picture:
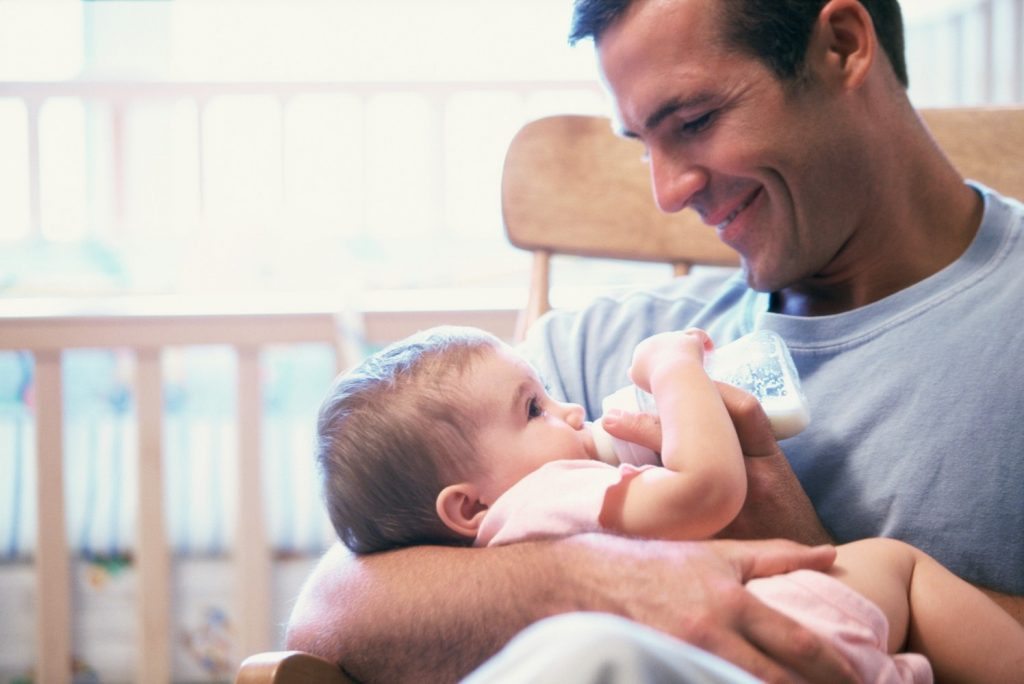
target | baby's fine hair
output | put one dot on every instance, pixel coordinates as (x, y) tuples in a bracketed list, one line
[(392, 433)]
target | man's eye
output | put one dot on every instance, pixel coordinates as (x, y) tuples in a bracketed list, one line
[(533, 409), (697, 125)]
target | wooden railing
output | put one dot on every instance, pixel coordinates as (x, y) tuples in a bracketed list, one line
[(146, 327)]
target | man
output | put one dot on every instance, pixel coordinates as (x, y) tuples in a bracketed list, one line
[(787, 125)]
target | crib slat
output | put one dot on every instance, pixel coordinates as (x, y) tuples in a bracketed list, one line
[(153, 662), (53, 581), (252, 548), (147, 330)]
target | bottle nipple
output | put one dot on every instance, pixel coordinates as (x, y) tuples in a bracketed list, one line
[(604, 444)]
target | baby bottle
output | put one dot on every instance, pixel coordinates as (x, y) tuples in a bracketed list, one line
[(759, 363)]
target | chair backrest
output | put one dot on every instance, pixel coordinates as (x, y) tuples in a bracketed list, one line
[(571, 186)]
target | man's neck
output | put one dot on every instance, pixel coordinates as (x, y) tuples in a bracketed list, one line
[(924, 238)]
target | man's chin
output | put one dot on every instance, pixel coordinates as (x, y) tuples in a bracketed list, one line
[(755, 280)]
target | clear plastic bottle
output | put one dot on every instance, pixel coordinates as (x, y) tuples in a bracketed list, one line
[(759, 363)]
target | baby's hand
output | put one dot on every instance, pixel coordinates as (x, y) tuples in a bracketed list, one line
[(665, 350)]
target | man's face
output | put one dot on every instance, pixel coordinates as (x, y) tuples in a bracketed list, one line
[(725, 137)]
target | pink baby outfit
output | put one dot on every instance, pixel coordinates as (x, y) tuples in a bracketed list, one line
[(566, 497), (854, 625)]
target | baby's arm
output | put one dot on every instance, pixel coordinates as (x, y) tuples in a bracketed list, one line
[(964, 634), (703, 484)]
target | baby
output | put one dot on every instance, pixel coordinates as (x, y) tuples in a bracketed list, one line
[(449, 437)]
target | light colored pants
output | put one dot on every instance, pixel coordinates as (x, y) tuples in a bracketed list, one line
[(595, 648)]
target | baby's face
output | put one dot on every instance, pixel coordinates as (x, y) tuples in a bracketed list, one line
[(522, 427)]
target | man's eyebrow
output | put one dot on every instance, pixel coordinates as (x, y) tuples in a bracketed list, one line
[(666, 110)]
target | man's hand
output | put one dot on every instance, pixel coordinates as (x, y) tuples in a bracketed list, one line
[(776, 504), (694, 591), (394, 616)]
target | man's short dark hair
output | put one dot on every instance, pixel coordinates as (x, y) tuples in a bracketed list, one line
[(774, 31)]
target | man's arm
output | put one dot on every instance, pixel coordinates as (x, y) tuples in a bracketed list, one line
[(398, 616), (776, 506), (434, 614)]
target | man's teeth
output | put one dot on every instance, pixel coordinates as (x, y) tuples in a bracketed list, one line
[(734, 213)]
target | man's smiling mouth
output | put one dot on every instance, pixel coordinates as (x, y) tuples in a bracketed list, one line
[(737, 211)]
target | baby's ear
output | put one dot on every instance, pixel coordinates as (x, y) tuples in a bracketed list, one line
[(459, 508)]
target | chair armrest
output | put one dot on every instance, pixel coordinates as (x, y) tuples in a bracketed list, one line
[(284, 667)]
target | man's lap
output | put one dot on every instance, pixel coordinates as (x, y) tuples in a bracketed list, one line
[(588, 648)]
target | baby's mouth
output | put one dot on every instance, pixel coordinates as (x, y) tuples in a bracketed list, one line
[(587, 438)]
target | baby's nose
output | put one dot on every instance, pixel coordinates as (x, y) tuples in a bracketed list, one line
[(574, 416)]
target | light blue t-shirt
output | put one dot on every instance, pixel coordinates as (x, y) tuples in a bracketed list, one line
[(917, 400)]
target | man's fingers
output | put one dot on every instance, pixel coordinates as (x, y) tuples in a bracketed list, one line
[(788, 643), (752, 425), (769, 645), (640, 428), (754, 559), (739, 651)]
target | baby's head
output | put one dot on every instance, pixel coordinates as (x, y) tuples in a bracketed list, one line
[(417, 442), (393, 432)]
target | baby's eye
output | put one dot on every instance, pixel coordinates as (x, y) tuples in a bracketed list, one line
[(533, 409)]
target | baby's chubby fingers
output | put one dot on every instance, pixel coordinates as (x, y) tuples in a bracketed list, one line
[(700, 335), (640, 428), (665, 349)]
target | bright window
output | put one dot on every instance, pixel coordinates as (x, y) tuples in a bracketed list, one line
[(317, 144), (14, 188), (342, 145), (62, 166)]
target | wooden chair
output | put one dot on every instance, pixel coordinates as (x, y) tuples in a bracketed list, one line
[(289, 667), (571, 186)]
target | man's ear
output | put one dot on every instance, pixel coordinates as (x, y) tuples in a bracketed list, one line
[(459, 508), (843, 44)]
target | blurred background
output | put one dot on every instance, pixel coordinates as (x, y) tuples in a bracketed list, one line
[(342, 151), (318, 145)]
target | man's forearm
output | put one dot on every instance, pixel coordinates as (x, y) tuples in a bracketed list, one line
[(426, 613), (434, 614)]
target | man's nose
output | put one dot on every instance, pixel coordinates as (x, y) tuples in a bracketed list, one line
[(675, 182)]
